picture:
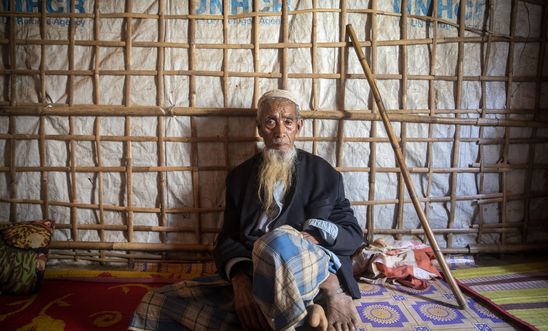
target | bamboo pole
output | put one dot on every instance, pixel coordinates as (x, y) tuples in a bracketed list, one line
[(73, 193), (483, 104), (128, 159), (314, 62), (431, 105), (341, 85), (162, 184), (349, 115), (408, 181), (370, 221), (455, 152), (284, 83), (509, 95), (193, 126), (403, 104)]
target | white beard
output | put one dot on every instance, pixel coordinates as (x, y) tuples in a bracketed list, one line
[(277, 167)]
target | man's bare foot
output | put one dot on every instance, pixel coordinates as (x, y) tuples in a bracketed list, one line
[(316, 317), (341, 313)]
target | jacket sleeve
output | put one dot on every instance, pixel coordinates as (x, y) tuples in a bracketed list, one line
[(350, 235), (229, 244)]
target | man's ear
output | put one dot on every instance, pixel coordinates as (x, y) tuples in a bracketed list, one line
[(300, 124), (259, 129)]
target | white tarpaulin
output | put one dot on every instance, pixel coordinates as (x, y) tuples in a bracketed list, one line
[(105, 38)]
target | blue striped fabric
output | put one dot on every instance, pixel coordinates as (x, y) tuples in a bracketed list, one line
[(288, 270), (203, 304)]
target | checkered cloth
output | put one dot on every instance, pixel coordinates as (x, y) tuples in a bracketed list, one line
[(287, 273), (288, 270)]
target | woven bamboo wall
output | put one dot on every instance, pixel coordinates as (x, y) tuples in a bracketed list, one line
[(221, 134)]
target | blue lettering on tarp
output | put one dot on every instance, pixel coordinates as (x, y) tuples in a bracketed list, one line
[(215, 7), (235, 4), (32, 4), (421, 7), (238, 6), (50, 9), (447, 9), (52, 6)]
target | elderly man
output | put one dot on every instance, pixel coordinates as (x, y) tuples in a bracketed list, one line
[(285, 246)]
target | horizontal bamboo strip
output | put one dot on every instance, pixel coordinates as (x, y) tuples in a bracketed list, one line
[(208, 248), (444, 231), (244, 74), (116, 110), (478, 198), (508, 248), (107, 256), (142, 228), (281, 45), (326, 115), (488, 168), (117, 208), (130, 246), (236, 139)]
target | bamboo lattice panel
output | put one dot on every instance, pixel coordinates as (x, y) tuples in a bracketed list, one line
[(121, 119)]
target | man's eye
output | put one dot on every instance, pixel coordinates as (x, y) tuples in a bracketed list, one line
[(270, 123), (288, 122)]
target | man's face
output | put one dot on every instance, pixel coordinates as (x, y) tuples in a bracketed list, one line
[(278, 125)]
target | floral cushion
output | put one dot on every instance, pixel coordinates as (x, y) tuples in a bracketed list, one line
[(23, 255)]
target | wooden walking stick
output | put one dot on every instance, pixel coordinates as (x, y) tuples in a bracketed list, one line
[(404, 170)]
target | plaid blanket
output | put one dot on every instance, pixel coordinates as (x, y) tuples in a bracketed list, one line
[(287, 273), (288, 270)]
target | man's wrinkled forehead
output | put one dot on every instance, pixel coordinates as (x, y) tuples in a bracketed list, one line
[(278, 94), (279, 108)]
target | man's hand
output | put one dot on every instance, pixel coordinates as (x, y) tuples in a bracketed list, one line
[(246, 308), (310, 238)]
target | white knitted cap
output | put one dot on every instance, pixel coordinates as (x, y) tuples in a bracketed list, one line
[(285, 94)]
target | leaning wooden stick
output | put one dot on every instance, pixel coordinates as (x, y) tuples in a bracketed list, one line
[(405, 172)]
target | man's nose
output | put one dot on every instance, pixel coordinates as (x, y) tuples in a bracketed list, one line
[(280, 129)]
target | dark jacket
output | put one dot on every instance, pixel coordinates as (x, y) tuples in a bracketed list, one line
[(318, 192)]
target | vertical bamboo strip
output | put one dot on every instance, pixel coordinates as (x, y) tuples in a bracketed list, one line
[(342, 83), (12, 119), (224, 68), (127, 125), (99, 163), (532, 147), (72, 149), (191, 55), (456, 143), (256, 62), (12, 168), (97, 124), (314, 59), (285, 40), (41, 127), (225, 84), (43, 163), (431, 105), (97, 52), (484, 71), (373, 132), (13, 54), (160, 128), (193, 131), (42, 69), (73, 194), (510, 78), (403, 105)]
